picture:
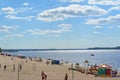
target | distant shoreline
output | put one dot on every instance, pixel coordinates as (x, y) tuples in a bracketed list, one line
[(95, 48)]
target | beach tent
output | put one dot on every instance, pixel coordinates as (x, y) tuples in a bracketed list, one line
[(55, 62), (104, 70)]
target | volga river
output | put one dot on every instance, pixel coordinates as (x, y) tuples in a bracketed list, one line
[(111, 57)]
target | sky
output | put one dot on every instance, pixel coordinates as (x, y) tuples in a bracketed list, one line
[(47, 24)]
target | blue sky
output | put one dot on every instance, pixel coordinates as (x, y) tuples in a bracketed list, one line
[(59, 23)]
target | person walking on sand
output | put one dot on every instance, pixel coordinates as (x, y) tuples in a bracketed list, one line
[(5, 66), (43, 75), (66, 76)]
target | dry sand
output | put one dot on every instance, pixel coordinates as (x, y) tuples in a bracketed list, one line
[(32, 71)]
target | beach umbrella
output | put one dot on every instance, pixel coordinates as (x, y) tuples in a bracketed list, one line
[(105, 66)]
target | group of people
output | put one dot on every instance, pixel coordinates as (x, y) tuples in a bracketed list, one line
[(5, 67), (44, 76)]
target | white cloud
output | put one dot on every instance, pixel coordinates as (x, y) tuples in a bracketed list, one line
[(9, 10), (75, 10), (63, 28), (25, 4), (11, 13), (105, 2), (28, 18), (114, 8), (12, 36), (5, 28), (45, 32), (98, 27), (71, 0), (23, 9), (110, 20)]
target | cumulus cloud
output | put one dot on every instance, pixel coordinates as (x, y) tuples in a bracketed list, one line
[(71, 1), (75, 10), (28, 18), (5, 28), (62, 28), (105, 2), (9, 10), (23, 9), (114, 8), (110, 20), (65, 26), (12, 13), (45, 32)]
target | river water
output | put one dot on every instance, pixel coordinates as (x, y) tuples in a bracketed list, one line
[(111, 57)]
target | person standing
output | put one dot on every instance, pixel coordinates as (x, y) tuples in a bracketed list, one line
[(5, 66), (43, 75), (66, 76), (13, 67), (20, 66)]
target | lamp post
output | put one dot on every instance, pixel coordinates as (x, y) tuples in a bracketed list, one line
[(18, 70), (72, 71)]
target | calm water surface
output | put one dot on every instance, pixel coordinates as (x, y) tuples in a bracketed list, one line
[(111, 57)]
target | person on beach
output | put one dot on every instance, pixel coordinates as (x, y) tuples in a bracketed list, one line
[(13, 67), (5, 66), (20, 67), (66, 76), (43, 75)]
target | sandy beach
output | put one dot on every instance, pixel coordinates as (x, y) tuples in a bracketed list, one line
[(31, 70)]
